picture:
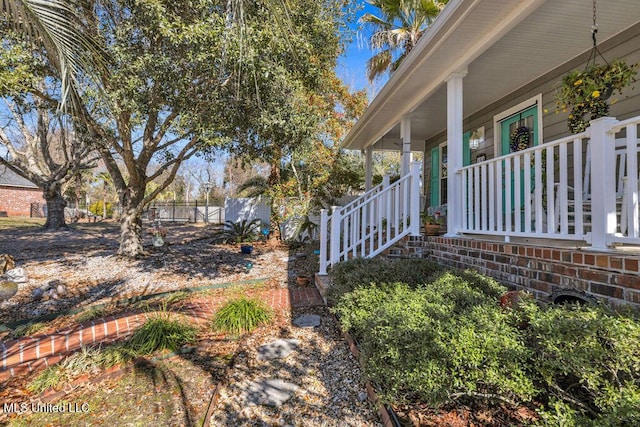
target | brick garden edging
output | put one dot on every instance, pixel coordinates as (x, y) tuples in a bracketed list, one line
[(35, 352)]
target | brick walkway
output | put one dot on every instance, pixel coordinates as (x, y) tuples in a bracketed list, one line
[(35, 352)]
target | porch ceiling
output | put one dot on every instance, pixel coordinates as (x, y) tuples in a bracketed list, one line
[(504, 44)]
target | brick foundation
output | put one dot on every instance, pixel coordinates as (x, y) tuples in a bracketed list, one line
[(610, 276)]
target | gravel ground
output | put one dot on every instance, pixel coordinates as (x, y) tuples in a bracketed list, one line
[(331, 392), (84, 261)]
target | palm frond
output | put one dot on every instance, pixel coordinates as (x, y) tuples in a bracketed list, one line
[(254, 186), (378, 64), (57, 25)]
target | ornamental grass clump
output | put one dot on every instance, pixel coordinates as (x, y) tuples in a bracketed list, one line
[(161, 332), (240, 316)]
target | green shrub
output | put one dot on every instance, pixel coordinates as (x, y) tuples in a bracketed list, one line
[(447, 338), (97, 208), (241, 315), (588, 358), (438, 341), (349, 275), (160, 332)]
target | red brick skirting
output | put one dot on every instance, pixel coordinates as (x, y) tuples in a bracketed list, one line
[(610, 276), (39, 351)]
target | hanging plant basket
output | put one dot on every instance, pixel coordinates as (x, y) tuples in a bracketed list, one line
[(585, 94)]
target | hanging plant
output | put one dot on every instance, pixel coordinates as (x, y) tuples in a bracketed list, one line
[(519, 139), (587, 92)]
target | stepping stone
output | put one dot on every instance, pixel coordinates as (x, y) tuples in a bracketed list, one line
[(278, 349), (18, 275), (7, 289), (307, 321), (272, 392)]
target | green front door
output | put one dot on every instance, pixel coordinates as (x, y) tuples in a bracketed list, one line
[(525, 119), (439, 170)]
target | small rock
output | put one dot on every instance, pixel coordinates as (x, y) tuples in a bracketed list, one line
[(307, 321), (7, 262), (61, 289), (8, 289), (272, 392), (37, 293), (278, 349), (362, 396), (18, 275)]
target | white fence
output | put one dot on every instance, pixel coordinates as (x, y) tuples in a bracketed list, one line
[(247, 208)]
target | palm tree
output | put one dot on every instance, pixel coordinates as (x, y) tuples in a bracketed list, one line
[(398, 28), (58, 26)]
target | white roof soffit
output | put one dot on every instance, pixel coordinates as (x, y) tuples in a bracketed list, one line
[(490, 38)]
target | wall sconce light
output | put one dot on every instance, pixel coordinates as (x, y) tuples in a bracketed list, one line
[(477, 137)]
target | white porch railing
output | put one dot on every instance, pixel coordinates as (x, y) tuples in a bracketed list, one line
[(582, 187), (627, 131), (373, 222)]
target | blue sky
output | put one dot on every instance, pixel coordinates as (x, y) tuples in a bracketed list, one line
[(352, 64)]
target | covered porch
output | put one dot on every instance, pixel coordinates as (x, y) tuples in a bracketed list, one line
[(474, 87), (461, 83)]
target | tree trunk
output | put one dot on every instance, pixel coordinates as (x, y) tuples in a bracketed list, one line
[(131, 234), (55, 209)]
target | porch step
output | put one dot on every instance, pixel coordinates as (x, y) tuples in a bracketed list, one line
[(408, 248)]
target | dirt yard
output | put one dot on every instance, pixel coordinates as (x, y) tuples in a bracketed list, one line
[(83, 260)]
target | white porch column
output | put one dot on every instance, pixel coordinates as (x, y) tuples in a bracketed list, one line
[(603, 195), (405, 135), (454, 152), (414, 214), (368, 165)]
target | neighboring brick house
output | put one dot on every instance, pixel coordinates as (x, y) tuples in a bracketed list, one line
[(17, 194)]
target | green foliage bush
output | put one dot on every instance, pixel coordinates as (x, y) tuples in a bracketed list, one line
[(349, 275), (241, 315), (161, 333), (97, 208), (435, 341), (588, 358), (447, 338)]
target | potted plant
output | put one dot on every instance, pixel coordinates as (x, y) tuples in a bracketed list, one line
[(244, 232), (302, 280), (432, 224), (587, 92), (158, 233)]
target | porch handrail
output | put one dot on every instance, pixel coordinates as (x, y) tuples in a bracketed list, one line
[(373, 222), (630, 207), (550, 191), (515, 194), (373, 190)]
